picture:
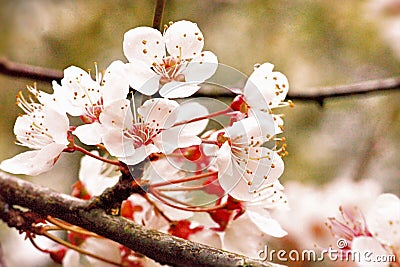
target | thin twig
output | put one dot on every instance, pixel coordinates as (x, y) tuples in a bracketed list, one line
[(318, 95), (158, 14), (19, 70), (161, 247)]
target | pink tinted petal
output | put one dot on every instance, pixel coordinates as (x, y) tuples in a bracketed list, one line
[(184, 39), (144, 44), (89, 134), (159, 113), (33, 162), (142, 78), (207, 237), (176, 89), (169, 140), (201, 67), (115, 82)]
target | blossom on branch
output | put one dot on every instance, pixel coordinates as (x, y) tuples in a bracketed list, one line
[(179, 73)]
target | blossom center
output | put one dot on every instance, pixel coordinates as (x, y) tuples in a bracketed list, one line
[(141, 134), (170, 69)]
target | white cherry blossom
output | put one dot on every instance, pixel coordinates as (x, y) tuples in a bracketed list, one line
[(80, 95), (132, 139), (244, 165), (45, 131), (179, 73), (265, 88)]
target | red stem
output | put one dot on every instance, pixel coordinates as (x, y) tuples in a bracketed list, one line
[(221, 112), (84, 151), (182, 180)]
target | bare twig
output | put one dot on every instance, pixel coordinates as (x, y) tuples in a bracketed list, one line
[(161, 247), (318, 95), (158, 14), (14, 69)]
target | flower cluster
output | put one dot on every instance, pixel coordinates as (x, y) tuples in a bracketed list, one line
[(230, 173)]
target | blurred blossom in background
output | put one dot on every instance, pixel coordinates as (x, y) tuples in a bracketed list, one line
[(342, 154)]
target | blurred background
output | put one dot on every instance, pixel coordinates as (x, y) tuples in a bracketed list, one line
[(344, 152)]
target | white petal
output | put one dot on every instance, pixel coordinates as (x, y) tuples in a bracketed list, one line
[(266, 170), (117, 115), (383, 219), (22, 124), (33, 162), (115, 82), (169, 140), (89, 167), (140, 154), (89, 134), (117, 144), (104, 247), (370, 247), (142, 78), (80, 90), (144, 44), (201, 67), (265, 223), (184, 38), (242, 237), (57, 124), (176, 89), (190, 110), (159, 113), (265, 88)]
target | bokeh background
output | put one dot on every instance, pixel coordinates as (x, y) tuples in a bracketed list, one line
[(344, 151)]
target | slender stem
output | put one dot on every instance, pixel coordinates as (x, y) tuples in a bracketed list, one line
[(78, 249), (221, 112), (187, 179), (158, 14), (69, 227), (188, 188), (84, 151), (157, 209), (36, 245), (160, 196)]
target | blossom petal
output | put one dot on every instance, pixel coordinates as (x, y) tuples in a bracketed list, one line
[(184, 39), (251, 238), (176, 89), (57, 124), (201, 67), (383, 219), (265, 223), (139, 155), (365, 245), (173, 138), (159, 113), (115, 82), (190, 110), (118, 115), (142, 78), (80, 90), (144, 44), (117, 144), (33, 162), (89, 134), (265, 88)]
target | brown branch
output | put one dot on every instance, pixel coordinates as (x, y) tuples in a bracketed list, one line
[(158, 14), (19, 70), (161, 247), (318, 95)]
